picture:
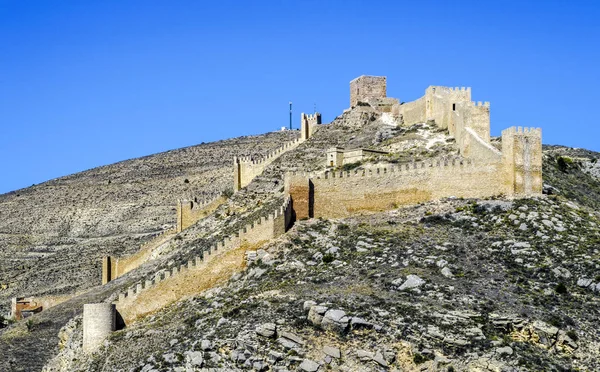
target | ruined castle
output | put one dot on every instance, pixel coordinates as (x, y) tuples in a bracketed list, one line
[(482, 170)]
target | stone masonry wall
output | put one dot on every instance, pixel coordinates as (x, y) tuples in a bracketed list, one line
[(342, 194), (245, 169), (472, 115), (410, 112), (439, 103), (365, 88), (114, 267), (264, 229), (309, 124), (522, 156), (190, 212), (474, 147)]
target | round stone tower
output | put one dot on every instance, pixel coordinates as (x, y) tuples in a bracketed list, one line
[(99, 321)]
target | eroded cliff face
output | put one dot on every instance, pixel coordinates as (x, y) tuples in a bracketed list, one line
[(464, 284)]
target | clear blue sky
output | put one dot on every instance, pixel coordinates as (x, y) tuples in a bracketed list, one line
[(89, 83)]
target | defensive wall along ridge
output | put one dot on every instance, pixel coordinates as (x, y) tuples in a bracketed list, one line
[(516, 171), (188, 213), (114, 267), (213, 265), (184, 280), (481, 171), (486, 171), (245, 169)]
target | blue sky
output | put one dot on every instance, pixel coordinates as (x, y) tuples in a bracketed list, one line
[(89, 83)]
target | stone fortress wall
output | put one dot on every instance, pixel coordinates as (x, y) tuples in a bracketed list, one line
[(339, 194), (245, 169), (480, 171), (483, 171), (188, 213), (308, 125), (191, 211), (114, 267), (261, 230)]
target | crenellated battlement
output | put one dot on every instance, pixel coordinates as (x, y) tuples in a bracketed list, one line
[(263, 228), (309, 125), (114, 267), (312, 117), (532, 131), (158, 236), (191, 211), (443, 89), (246, 168), (390, 169), (269, 156)]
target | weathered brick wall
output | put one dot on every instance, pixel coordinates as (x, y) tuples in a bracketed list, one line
[(365, 88)]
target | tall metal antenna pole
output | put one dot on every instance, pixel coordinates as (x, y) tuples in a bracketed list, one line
[(290, 115)]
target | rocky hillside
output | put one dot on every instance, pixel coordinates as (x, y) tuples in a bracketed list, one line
[(54, 234), (451, 285)]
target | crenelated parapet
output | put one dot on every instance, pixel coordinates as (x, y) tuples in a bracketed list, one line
[(387, 169), (309, 125), (260, 230), (525, 131), (246, 168), (191, 211), (114, 267)]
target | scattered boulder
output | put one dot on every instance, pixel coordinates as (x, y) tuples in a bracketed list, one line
[(316, 313), (412, 281), (335, 320), (447, 273), (267, 330), (332, 351), (289, 340), (507, 350), (309, 365), (194, 358)]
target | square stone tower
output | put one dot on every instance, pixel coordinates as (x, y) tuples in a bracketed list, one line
[(522, 155), (365, 88)]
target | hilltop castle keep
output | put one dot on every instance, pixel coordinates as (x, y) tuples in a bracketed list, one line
[(483, 170)]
